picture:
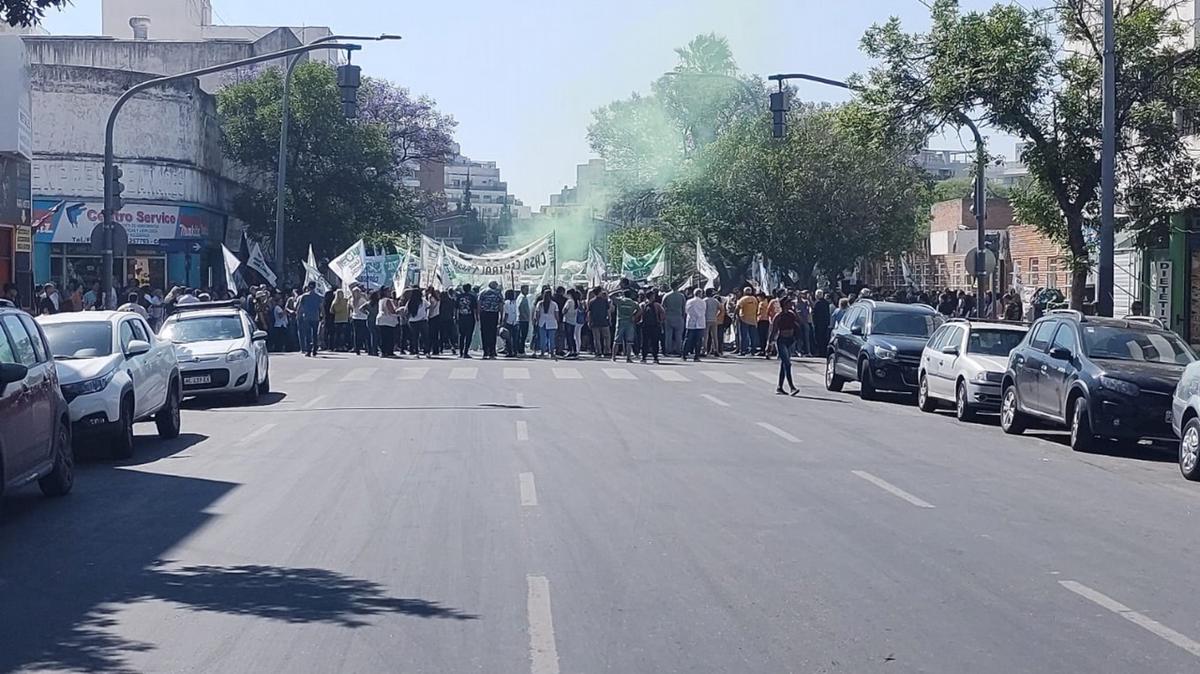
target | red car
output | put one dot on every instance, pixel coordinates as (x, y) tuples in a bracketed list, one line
[(35, 424)]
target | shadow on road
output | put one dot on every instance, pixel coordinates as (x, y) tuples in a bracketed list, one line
[(223, 401), (1155, 453), (69, 566)]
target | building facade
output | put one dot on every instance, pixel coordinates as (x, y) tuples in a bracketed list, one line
[(477, 184)]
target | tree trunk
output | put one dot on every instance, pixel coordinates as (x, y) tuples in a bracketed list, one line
[(1079, 259)]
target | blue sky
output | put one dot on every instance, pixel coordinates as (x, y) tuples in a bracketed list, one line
[(522, 77)]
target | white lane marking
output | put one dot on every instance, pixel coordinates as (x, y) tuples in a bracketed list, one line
[(769, 378), (543, 653), (721, 377), (307, 377), (360, 374), (520, 399), (618, 373), (464, 372), (312, 403), (522, 431), (516, 373), (411, 373), (567, 373), (892, 489), (528, 490), (1141, 620), (258, 432), (714, 400), (669, 375), (778, 431)]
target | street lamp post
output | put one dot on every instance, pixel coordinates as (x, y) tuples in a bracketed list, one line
[(110, 194), (281, 172), (779, 106), (1108, 185)]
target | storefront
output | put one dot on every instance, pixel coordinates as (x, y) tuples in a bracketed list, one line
[(168, 244)]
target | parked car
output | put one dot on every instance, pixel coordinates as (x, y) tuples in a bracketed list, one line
[(35, 425), (114, 372), (219, 350), (879, 345), (964, 362), (1100, 377), (1185, 417)]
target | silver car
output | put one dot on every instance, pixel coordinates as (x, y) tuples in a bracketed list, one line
[(1185, 420), (963, 363)]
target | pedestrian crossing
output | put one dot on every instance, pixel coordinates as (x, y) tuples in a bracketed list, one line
[(671, 375)]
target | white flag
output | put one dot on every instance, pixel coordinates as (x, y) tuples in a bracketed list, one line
[(596, 268), (400, 278), (259, 264), (312, 274), (703, 266), (231, 265), (909, 278), (441, 280), (762, 275), (350, 264)]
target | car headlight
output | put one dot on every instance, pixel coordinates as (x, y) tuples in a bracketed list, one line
[(989, 377), (884, 353), (236, 355), (82, 388), (1120, 386)]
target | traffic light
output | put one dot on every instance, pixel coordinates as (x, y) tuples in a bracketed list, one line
[(117, 188), (779, 108), (349, 77)]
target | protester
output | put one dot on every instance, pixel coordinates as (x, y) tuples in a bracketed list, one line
[(279, 324), (673, 305), (695, 312), (571, 323), (358, 319), (132, 304), (651, 317), (598, 310), (821, 323), (490, 304), (523, 314), (747, 312), (624, 308), (468, 316), (784, 328), (386, 323), (418, 322), (309, 310), (433, 317), (547, 325), (341, 320), (712, 314), (512, 324), (48, 301)]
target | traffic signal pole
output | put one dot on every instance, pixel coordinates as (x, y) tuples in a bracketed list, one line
[(110, 181)]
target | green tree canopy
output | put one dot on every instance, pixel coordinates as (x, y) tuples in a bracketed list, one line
[(25, 13), (343, 175), (1035, 73)]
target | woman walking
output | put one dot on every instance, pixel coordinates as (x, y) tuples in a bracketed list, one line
[(358, 318), (386, 323), (433, 316), (651, 317), (547, 324), (573, 323), (512, 329), (784, 329), (418, 322)]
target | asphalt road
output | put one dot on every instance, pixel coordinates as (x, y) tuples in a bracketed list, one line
[(467, 516)]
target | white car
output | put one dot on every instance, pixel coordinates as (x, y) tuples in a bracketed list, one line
[(114, 372), (219, 350), (964, 362)]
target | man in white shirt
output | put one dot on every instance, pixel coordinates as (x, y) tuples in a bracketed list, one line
[(187, 297), (695, 312), (133, 306)]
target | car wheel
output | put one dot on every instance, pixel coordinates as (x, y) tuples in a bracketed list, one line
[(833, 381), (265, 387), (867, 392), (1012, 420), (61, 478), (962, 404), (251, 395), (121, 445), (167, 419), (1189, 450), (926, 402), (1082, 438)]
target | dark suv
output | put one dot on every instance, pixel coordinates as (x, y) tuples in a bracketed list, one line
[(1100, 377), (879, 344), (35, 426)]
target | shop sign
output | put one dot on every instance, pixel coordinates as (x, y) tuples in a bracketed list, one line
[(67, 221), (24, 240), (1161, 301)]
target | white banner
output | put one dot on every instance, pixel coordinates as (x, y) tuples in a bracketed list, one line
[(312, 274), (350, 264), (703, 266), (528, 259), (258, 263), (231, 265)]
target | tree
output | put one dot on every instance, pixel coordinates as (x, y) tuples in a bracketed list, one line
[(344, 181), (25, 13), (635, 241), (818, 198), (414, 126), (1035, 73)]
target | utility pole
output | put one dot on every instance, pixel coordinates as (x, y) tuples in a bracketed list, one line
[(110, 194), (285, 122), (1108, 172)]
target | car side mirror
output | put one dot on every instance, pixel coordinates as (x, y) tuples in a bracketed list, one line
[(1060, 353), (259, 336), (950, 350), (136, 348), (11, 372), (856, 330)]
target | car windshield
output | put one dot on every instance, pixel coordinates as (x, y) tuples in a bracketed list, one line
[(203, 329), (905, 323), (1128, 344), (71, 341), (994, 342)]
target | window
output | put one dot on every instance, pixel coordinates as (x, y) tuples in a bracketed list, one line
[(859, 318), (126, 334), (1033, 264), (1041, 334), (85, 339), (1126, 344), (204, 329), (1052, 264), (1065, 338), (139, 330), (994, 342), (6, 349), (1035, 279), (939, 338), (954, 335), (35, 337), (22, 344), (905, 323)]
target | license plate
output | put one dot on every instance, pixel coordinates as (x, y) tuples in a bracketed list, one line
[(197, 380)]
